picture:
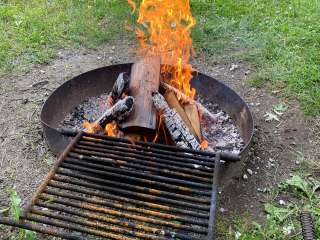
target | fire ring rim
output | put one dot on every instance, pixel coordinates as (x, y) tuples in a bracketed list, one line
[(57, 141)]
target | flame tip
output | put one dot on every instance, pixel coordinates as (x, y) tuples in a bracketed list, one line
[(165, 31)]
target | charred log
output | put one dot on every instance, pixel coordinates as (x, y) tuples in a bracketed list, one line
[(120, 87), (118, 112), (178, 130), (174, 103)]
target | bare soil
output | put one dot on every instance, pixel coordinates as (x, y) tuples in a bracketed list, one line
[(277, 149), (25, 158)]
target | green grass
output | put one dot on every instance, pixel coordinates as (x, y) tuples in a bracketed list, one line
[(33, 31), (282, 38), (15, 211), (282, 221)]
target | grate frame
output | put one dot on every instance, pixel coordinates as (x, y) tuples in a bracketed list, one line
[(112, 188)]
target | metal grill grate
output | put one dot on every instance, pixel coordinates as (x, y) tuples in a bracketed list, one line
[(110, 188)]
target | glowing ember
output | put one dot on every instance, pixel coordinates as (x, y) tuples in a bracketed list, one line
[(165, 32)]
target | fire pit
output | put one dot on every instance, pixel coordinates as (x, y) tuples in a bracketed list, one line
[(118, 189), (96, 82)]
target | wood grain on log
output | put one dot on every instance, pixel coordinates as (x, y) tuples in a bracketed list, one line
[(174, 103), (191, 111), (144, 79), (178, 130), (187, 99)]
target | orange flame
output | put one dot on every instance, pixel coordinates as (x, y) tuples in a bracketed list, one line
[(160, 125), (164, 31), (133, 5), (204, 144), (111, 129), (91, 127)]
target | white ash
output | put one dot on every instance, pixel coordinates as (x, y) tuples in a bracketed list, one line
[(88, 110), (220, 132)]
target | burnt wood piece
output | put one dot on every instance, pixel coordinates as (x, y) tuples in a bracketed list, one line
[(174, 103), (118, 112), (178, 130), (120, 86), (191, 111), (144, 79)]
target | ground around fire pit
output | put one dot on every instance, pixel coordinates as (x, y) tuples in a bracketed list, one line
[(278, 148)]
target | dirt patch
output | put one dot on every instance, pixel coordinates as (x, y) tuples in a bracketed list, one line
[(25, 159), (277, 149)]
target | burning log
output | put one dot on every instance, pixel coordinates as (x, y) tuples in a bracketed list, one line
[(191, 111), (144, 79), (178, 130), (118, 112), (174, 103), (187, 99)]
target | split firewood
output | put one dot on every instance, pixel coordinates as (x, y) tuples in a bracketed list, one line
[(118, 112), (144, 79), (191, 111), (174, 103), (187, 99), (178, 130), (120, 86)]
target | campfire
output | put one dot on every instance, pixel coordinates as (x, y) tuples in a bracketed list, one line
[(155, 102)]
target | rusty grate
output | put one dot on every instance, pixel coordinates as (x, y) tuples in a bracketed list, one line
[(109, 188)]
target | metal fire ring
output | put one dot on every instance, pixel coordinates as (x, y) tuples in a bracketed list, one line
[(97, 81)]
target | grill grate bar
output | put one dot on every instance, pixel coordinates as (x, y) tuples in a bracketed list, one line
[(149, 165), (172, 150), (68, 165), (115, 189), (146, 196), (150, 154), (34, 227), (139, 203), (155, 193), (96, 221), (180, 185), (123, 207), (66, 224), (137, 175), (106, 223), (129, 216)]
